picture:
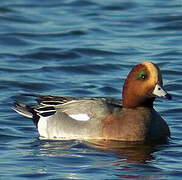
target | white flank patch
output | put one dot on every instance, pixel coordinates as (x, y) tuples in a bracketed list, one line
[(80, 117), (159, 91), (42, 127)]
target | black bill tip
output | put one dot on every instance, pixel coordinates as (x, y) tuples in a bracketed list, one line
[(168, 96)]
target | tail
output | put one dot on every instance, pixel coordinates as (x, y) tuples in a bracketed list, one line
[(26, 111)]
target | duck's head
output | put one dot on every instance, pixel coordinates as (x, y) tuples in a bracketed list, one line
[(142, 85)]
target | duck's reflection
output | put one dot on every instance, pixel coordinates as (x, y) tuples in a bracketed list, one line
[(131, 152), (55, 148), (131, 156), (128, 157), (135, 152)]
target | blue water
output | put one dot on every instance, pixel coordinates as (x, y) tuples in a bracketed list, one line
[(86, 48)]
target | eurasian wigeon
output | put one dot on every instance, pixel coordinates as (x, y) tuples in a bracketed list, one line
[(133, 119)]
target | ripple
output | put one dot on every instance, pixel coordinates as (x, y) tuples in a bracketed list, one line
[(172, 72), (37, 86), (46, 35), (167, 18), (6, 10), (44, 54), (120, 6), (109, 90), (169, 27), (12, 41), (34, 175), (91, 51), (84, 69), (81, 3)]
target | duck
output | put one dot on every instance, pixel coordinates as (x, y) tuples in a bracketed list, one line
[(131, 119)]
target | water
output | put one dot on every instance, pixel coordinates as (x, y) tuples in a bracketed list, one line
[(86, 48)]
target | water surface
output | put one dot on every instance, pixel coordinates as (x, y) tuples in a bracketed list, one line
[(86, 48)]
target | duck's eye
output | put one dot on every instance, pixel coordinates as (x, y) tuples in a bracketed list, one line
[(143, 76)]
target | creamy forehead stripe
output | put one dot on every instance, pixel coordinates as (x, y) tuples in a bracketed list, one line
[(153, 72)]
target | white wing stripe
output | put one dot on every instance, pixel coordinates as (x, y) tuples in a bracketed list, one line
[(80, 117)]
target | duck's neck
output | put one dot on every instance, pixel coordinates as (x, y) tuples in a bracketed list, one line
[(132, 102)]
